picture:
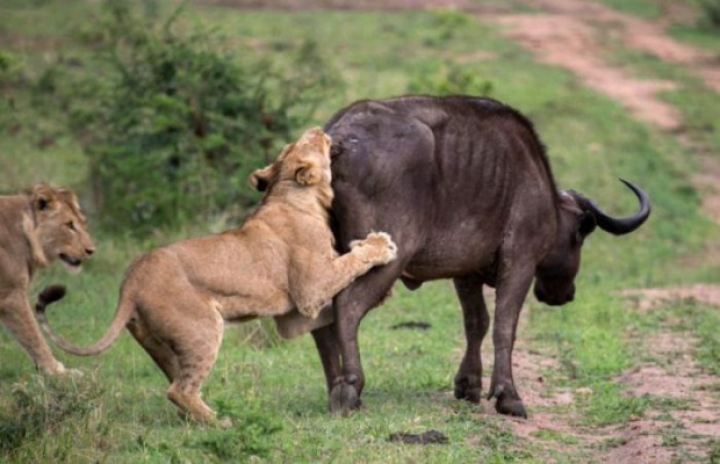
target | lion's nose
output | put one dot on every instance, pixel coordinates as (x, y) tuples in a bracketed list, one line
[(89, 251)]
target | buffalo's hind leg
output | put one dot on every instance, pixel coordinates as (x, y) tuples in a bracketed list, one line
[(329, 352), (345, 397), (468, 381), (351, 305)]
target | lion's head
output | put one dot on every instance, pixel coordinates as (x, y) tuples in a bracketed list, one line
[(305, 163), (56, 228)]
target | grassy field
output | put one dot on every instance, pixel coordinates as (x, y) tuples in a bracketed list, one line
[(117, 412)]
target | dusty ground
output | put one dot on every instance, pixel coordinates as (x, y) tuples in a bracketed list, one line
[(574, 34)]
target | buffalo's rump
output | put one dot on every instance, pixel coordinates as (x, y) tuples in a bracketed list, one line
[(440, 174)]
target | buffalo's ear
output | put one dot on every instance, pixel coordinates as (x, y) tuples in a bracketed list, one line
[(586, 224), (43, 197), (260, 179), (308, 172)]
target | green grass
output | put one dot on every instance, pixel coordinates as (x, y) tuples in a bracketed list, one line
[(695, 27), (650, 9), (696, 318), (118, 411)]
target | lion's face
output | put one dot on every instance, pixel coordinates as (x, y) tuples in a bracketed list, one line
[(305, 162), (60, 227)]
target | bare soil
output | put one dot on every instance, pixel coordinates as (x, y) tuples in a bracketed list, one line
[(569, 35)]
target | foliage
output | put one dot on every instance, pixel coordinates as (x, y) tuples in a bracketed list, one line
[(11, 74), (447, 78), (444, 24), (711, 12), (172, 127), (10, 68)]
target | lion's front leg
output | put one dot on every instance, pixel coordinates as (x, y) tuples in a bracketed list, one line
[(16, 314), (313, 291)]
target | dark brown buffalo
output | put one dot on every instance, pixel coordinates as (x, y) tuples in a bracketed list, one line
[(464, 187)]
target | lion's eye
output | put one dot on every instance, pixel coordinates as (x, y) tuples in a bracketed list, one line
[(71, 225)]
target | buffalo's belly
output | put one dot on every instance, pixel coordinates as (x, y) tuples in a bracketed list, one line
[(435, 265)]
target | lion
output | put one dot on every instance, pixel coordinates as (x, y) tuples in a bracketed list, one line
[(175, 300), (36, 228)]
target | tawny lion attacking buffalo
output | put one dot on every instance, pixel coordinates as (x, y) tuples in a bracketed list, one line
[(36, 228), (281, 263), (464, 187)]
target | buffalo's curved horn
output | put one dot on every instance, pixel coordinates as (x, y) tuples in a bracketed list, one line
[(617, 226)]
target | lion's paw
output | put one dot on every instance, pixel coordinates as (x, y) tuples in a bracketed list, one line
[(60, 370), (225, 423), (378, 247), (74, 373)]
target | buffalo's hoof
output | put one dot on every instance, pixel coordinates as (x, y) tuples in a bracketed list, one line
[(468, 388), (343, 398), (510, 407)]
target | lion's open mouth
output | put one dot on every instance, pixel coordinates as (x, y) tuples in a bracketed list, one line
[(72, 262)]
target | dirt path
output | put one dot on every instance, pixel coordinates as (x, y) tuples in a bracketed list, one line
[(668, 374), (569, 35)]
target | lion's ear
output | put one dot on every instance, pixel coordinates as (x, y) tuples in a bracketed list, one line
[(260, 179), (43, 197), (308, 172)]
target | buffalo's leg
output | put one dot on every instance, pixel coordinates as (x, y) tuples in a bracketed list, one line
[(329, 352), (511, 292), (468, 381), (351, 305)]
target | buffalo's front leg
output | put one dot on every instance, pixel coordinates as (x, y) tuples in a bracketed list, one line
[(468, 381), (351, 305), (511, 292)]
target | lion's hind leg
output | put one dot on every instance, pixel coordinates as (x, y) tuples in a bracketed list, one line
[(196, 347), (159, 351)]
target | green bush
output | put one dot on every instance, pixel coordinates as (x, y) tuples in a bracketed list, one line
[(448, 78), (11, 76), (444, 24), (711, 12), (171, 125), (10, 67)]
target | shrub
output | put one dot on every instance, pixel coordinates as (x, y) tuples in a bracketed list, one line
[(171, 125), (711, 12), (443, 26), (448, 78)]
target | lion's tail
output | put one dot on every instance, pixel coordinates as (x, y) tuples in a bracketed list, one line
[(55, 293)]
